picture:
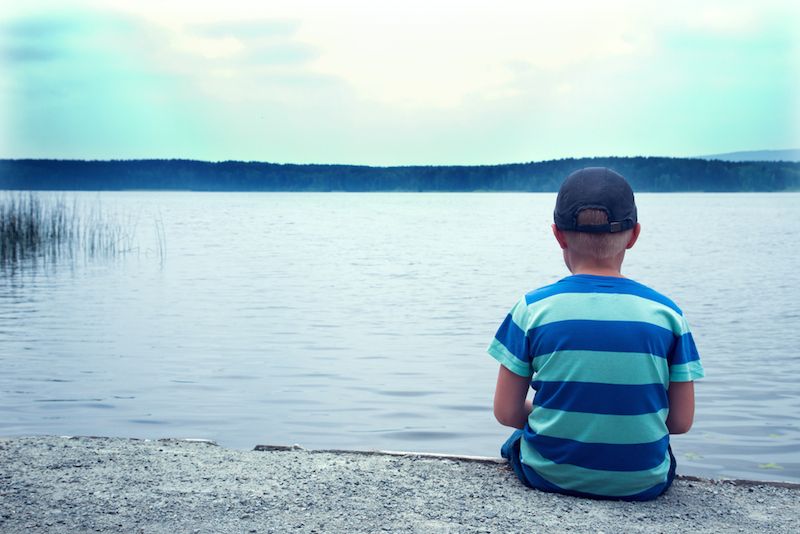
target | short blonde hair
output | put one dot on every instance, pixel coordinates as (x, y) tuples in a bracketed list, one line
[(599, 246)]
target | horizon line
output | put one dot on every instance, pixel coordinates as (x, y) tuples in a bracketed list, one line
[(709, 157)]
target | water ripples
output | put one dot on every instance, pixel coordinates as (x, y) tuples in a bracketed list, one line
[(361, 321)]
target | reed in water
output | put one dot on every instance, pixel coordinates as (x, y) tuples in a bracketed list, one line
[(41, 226)]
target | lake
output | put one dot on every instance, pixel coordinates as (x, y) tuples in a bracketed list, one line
[(360, 320)]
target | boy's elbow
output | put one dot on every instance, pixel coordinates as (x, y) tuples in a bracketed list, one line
[(679, 426), (501, 415), (683, 429), (505, 416)]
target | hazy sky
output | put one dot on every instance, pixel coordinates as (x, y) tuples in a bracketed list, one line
[(397, 82)]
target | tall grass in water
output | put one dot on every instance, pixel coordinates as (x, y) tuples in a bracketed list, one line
[(34, 227)]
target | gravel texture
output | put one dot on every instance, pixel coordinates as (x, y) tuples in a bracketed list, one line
[(58, 484)]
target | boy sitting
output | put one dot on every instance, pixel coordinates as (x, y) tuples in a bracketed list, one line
[(611, 360)]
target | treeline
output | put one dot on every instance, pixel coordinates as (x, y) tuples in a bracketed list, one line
[(644, 173)]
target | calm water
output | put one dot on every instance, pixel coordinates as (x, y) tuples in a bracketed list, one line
[(361, 321)]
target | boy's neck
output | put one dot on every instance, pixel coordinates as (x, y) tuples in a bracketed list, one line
[(582, 265), (599, 272)]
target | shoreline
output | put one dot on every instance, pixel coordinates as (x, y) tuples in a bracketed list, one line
[(67, 484), (486, 459)]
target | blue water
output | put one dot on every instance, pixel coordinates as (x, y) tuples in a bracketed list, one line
[(361, 321)]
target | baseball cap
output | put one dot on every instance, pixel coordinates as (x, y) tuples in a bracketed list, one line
[(595, 188)]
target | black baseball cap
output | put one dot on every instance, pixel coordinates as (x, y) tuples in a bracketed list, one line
[(595, 188)]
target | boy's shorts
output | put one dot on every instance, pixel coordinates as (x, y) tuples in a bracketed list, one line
[(511, 451)]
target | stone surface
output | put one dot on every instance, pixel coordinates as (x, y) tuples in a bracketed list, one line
[(54, 484)]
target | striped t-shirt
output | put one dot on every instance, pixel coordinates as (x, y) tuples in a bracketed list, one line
[(601, 352)]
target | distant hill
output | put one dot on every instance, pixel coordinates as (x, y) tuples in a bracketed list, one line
[(758, 155), (644, 173)]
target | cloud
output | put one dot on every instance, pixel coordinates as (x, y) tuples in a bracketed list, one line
[(262, 42), (98, 83), (247, 29), (398, 82), (74, 37), (29, 53), (36, 39), (281, 54), (41, 26)]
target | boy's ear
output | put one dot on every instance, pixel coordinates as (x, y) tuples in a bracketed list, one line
[(562, 242), (634, 236)]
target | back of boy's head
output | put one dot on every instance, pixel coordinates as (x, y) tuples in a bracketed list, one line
[(596, 211)]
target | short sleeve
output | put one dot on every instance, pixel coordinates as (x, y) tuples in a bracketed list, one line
[(684, 360), (511, 346)]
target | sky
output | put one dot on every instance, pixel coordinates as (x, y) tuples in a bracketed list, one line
[(397, 82)]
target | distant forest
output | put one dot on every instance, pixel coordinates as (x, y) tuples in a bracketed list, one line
[(644, 173)]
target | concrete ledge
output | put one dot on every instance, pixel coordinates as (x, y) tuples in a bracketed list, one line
[(405, 454), (493, 460), (57, 484)]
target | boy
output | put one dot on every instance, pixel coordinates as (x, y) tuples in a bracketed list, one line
[(611, 361)]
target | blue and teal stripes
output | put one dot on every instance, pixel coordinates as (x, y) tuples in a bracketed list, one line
[(601, 353)]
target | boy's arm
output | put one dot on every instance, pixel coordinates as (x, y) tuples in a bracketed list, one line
[(681, 407), (510, 407)]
